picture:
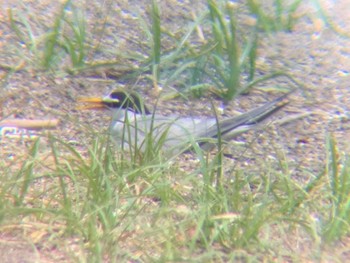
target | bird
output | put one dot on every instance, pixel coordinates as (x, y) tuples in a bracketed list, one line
[(136, 127)]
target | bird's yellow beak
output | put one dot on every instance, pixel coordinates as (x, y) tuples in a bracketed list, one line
[(91, 104)]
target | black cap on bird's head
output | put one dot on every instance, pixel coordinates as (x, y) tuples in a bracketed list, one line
[(117, 99)]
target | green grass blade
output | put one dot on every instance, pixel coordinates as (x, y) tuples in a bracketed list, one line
[(156, 34), (27, 171), (53, 37)]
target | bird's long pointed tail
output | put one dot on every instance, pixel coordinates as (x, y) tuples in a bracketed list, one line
[(239, 124)]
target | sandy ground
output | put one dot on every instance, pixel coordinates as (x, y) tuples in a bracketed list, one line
[(316, 56)]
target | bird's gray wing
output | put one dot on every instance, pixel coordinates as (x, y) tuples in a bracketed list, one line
[(234, 126)]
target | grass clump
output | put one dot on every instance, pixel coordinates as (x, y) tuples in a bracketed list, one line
[(338, 223), (65, 37), (228, 63), (63, 46), (223, 61), (118, 208), (283, 18)]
